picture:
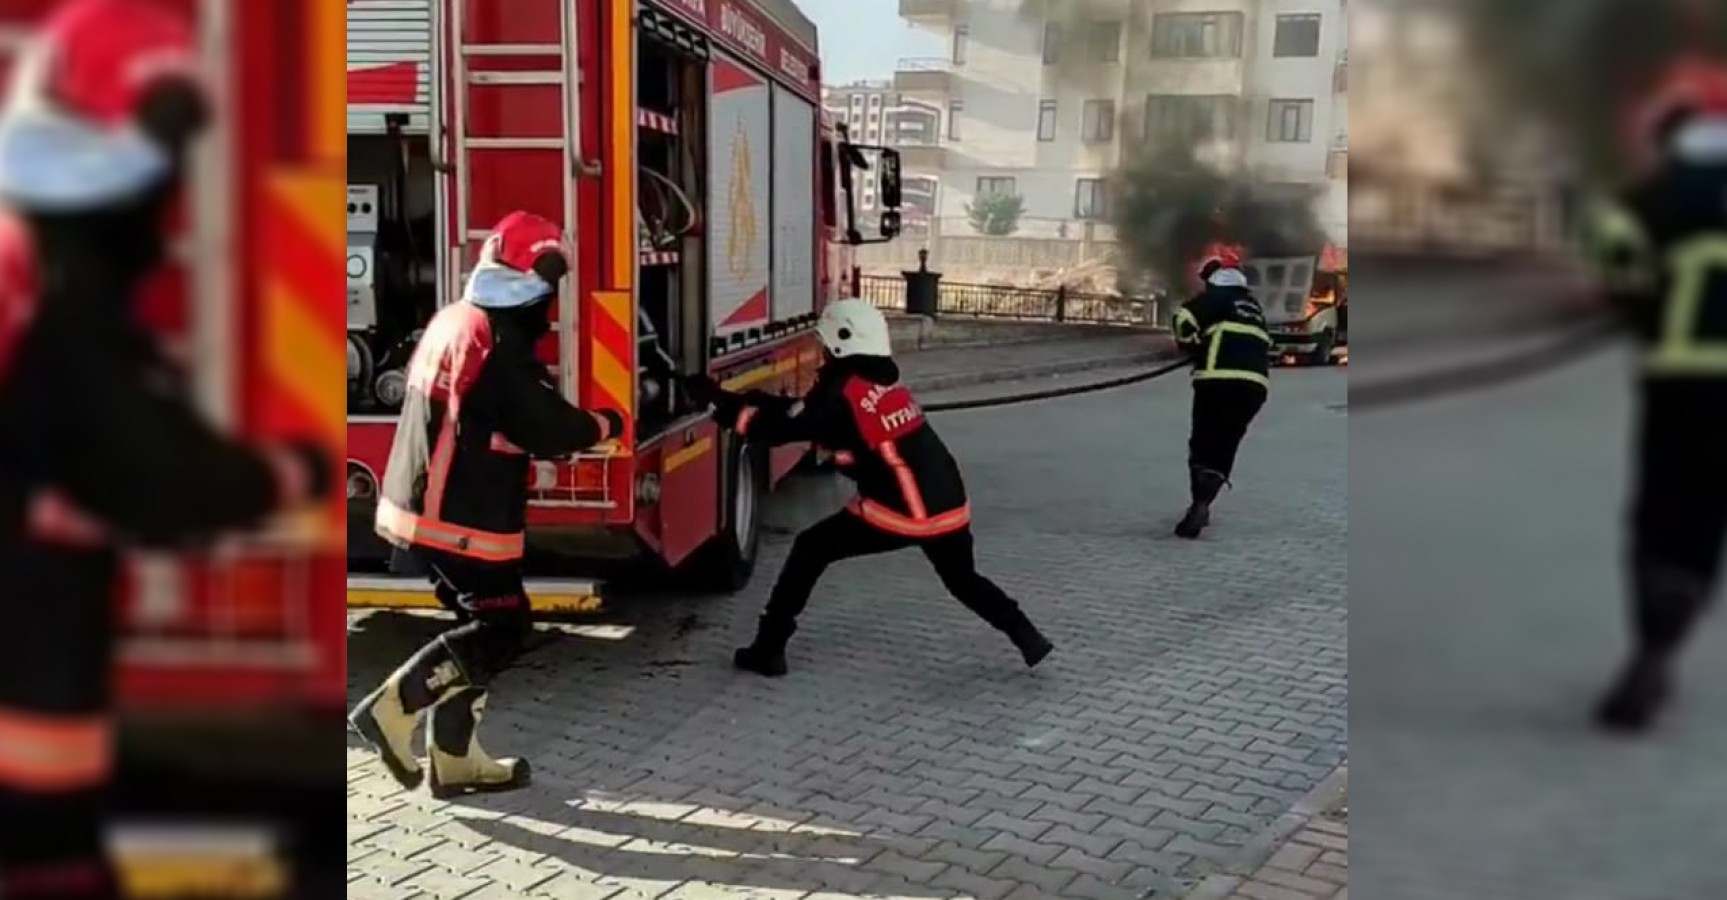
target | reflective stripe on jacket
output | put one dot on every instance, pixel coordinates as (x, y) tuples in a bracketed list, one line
[(479, 406)]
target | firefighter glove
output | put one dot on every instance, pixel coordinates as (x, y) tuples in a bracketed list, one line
[(701, 389), (614, 422), (315, 463)]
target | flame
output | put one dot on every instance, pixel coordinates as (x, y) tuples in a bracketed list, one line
[(1318, 302)]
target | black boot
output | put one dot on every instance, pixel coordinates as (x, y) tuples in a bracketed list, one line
[(1204, 484), (386, 719), (1668, 603), (1638, 696), (767, 655), (1031, 642)]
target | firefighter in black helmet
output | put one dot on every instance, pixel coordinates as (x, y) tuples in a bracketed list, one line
[(1662, 247), (1223, 331)]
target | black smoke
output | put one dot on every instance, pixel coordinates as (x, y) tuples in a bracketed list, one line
[(1577, 66), (1168, 203)]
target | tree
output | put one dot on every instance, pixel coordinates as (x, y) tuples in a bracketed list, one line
[(996, 215)]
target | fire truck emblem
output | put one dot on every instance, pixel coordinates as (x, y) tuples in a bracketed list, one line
[(741, 237)]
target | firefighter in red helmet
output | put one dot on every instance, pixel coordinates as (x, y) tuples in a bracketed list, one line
[(101, 448), (1223, 330), (479, 406), (1660, 251)]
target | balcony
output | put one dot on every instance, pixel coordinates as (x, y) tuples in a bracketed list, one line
[(925, 74), (930, 11), (922, 157), (1195, 75)]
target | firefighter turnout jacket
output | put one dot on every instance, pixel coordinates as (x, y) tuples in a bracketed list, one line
[(479, 406), (1223, 331), (101, 448), (1661, 249), (860, 416)]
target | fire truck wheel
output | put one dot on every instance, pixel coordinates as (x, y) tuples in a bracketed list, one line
[(726, 564)]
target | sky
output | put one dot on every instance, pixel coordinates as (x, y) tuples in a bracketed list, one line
[(864, 38)]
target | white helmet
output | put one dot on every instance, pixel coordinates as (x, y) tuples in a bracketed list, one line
[(854, 327), (1228, 278)]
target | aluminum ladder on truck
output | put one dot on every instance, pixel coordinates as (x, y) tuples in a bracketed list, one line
[(548, 596)]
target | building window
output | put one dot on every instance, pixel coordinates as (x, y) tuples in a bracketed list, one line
[(1097, 124), (1103, 42), (954, 109), (961, 35), (1091, 199), (875, 100), (1297, 35), (1196, 35), (1190, 117), (1290, 122), (1051, 44), (856, 100), (996, 186), (1046, 120)]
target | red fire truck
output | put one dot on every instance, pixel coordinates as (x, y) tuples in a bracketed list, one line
[(682, 146), (249, 642)]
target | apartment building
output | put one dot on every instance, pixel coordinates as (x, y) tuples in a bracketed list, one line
[(875, 113), (1047, 108)]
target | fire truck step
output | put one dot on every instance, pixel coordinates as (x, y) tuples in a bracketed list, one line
[(549, 595), (219, 861)]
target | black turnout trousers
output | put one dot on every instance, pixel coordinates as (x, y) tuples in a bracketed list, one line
[(1679, 512), (1222, 410), (845, 536), (491, 606)]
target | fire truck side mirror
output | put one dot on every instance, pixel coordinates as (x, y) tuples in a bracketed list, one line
[(887, 185), (888, 176)]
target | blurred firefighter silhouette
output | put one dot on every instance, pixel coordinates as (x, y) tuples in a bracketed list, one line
[(1661, 246), (101, 449)]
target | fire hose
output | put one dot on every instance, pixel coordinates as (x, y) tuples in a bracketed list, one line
[(1593, 332), (1053, 393)]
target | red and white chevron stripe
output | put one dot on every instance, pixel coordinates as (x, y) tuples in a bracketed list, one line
[(654, 121)]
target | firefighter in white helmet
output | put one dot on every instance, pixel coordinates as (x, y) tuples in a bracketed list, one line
[(910, 493), (102, 448)]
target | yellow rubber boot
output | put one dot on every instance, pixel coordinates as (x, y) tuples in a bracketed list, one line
[(386, 719), (460, 766)]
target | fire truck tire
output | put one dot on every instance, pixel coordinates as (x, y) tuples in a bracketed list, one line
[(727, 563)]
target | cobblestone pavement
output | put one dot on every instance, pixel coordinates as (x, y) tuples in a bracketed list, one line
[(1485, 613), (1198, 690), (1311, 865)]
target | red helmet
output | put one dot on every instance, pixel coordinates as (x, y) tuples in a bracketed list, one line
[(1692, 86), (520, 264), (103, 105), (1227, 256), (106, 57), (529, 243)]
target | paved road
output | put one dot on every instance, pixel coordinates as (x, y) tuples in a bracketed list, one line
[(1484, 615), (1198, 691)]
